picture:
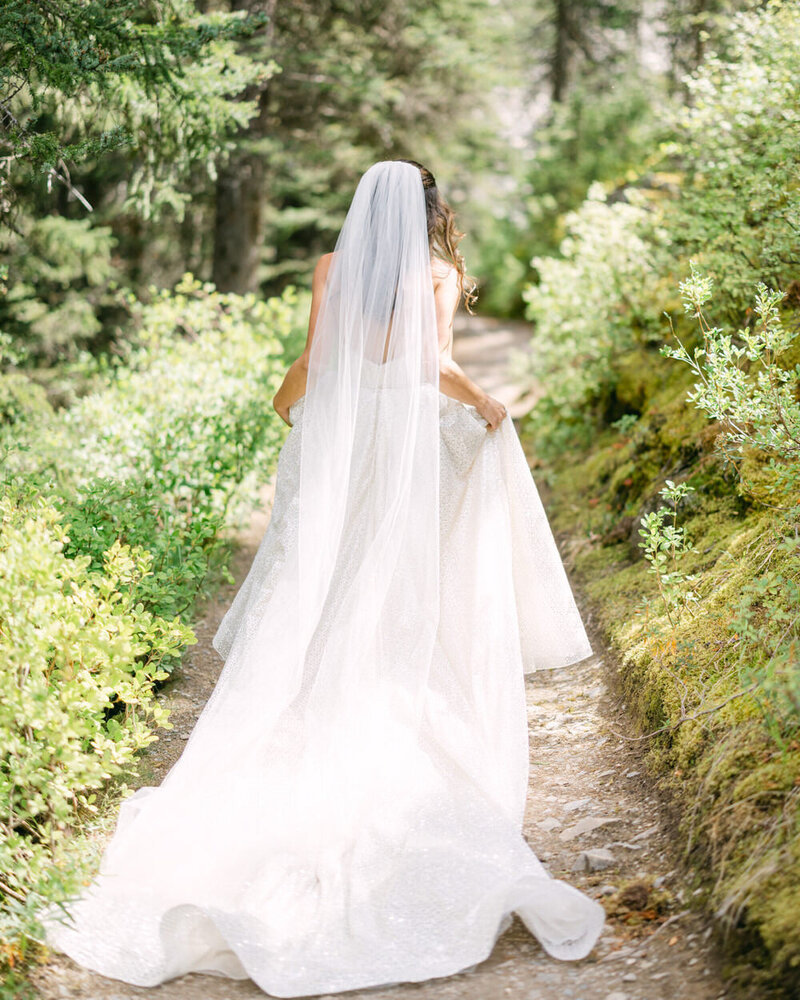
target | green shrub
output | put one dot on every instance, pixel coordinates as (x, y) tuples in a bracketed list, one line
[(113, 524), (155, 459), (737, 210), (591, 306), (739, 206), (22, 402), (604, 130), (78, 661), (748, 384), (62, 281), (664, 543)]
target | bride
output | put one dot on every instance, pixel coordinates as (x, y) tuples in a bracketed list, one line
[(348, 810)]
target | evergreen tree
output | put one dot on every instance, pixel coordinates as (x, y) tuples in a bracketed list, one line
[(359, 80)]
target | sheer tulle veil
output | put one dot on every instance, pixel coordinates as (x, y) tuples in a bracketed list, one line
[(373, 384), (338, 659)]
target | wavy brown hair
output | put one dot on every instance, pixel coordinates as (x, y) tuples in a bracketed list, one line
[(443, 236)]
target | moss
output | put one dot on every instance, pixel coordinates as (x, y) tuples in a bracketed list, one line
[(637, 383), (776, 914)]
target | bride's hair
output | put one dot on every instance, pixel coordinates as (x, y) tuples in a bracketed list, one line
[(443, 236)]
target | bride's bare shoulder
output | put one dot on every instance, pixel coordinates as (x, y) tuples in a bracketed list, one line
[(443, 271), (321, 269), (324, 263)]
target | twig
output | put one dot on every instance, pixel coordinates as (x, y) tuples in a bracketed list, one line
[(65, 180), (4, 887), (686, 718)]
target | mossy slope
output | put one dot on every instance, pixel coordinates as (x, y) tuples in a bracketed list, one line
[(730, 769)]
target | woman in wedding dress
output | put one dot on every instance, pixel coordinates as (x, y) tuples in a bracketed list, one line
[(348, 809)]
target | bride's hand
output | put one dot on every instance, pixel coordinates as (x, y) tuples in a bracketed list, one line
[(492, 411), (283, 414), (291, 389)]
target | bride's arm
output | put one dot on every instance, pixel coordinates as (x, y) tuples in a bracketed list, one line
[(294, 381), (453, 381)]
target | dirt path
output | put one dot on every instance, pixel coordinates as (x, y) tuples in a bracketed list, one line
[(589, 804)]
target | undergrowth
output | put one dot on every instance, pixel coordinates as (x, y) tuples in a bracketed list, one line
[(114, 523), (710, 682), (672, 447)]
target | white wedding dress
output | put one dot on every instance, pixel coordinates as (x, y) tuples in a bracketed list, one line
[(329, 829)]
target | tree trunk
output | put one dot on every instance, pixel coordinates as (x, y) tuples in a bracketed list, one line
[(241, 192), (238, 223), (560, 58)]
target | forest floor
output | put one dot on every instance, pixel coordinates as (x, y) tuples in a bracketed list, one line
[(590, 803)]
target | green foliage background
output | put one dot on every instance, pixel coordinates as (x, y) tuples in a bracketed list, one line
[(609, 166)]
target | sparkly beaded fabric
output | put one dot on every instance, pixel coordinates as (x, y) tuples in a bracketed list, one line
[(358, 850)]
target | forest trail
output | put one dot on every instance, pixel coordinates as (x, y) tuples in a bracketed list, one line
[(589, 802)]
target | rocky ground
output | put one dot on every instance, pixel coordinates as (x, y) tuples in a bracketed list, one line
[(592, 818)]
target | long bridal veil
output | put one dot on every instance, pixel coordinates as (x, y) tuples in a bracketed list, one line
[(347, 811), (351, 622)]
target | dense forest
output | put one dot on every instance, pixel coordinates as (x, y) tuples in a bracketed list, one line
[(628, 177)]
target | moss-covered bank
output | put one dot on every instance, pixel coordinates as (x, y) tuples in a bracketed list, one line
[(726, 754)]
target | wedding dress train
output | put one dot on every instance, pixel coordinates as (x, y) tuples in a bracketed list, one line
[(348, 809), (359, 857)]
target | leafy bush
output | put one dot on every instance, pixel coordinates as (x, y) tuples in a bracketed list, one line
[(736, 210), (747, 383), (766, 629), (61, 280), (664, 542), (78, 661), (155, 458), (605, 128), (747, 386), (113, 521), (738, 138), (590, 306), (22, 402)]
